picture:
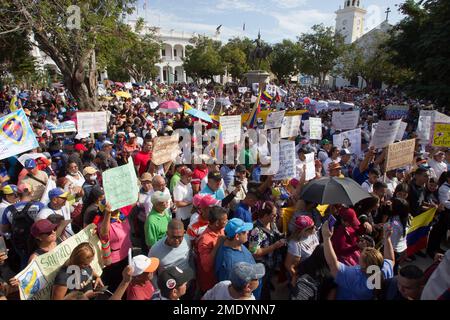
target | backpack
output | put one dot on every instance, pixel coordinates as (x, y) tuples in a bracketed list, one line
[(306, 288), (21, 226)]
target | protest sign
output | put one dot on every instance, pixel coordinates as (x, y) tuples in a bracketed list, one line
[(271, 89), (315, 128), (350, 140), (401, 131), (310, 168), (165, 149), (441, 135), (400, 154), (385, 133), (91, 122), (16, 135), (345, 120), (67, 126), (231, 129), (394, 112), (320, 105), (290, 126), (286, 168), (425, 124), (274, 119), (36, 280), (120, 185), (347, 105)]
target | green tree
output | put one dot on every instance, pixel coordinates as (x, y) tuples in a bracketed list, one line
[(321, 50), (71, 46), (285, 59), (235, 60), (419, 43), (127, 53), (203, 60)]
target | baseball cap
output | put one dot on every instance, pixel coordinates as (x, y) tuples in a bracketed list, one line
[(240, 168), (334, 166), (24, 186), (303, 222), (121, 133), (244, 272), (10, 189), (159, 197), (132, 135), (143, 264), (215, 176), (325, 141), (344, 152), (89, 170), (349, 215), (41, 227), (400, 170), (30, 164), (146, 176), (107, 143), (186, 172), (207, 201), (235, 226), (80, 147), (57, 193), (172, 278)]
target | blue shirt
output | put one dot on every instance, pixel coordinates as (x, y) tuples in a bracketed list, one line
[(227, 175), (218, 195), (352, 282), (227, 257), (256, 174), (243, 212), (3, 173), (359, 176), (32, 211)]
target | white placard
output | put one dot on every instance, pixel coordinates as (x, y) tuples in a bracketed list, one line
[(242, 90), (231, 129), (271, 89), (286, 160), (310, 168), (401, 131), (345, 120), (91, 122), (385, 133), (350, 140), (290, 126), (315, 128), (274, 119), (424, 125)]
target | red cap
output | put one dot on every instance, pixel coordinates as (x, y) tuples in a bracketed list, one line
[(349, 215), (80, 147), (303, 222), (41, 227)]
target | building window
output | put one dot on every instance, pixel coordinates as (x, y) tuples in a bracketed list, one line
[(348, 3), (174, 52), (353, 3), (163, 52)]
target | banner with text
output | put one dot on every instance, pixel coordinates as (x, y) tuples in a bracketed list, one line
[(441, 135), (231, 129), (350, 140), (385, 133), (315, 128), (165, 149), (36, 280), (286, 160), (274, 120), (290, 126)]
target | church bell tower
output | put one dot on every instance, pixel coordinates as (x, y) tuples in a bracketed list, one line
[(350, 20)]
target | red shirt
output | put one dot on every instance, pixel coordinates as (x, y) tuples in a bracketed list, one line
[(205, 261), (140, 292), (345, 244), (141, 159)]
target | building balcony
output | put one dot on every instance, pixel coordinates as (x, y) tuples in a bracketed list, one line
[(169, 59)]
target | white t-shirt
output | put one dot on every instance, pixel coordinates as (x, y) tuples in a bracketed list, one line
[(64, 211), (367, 186), (221, 292), (77, 181), (303, 248), (438, 167), (182, 192), (397, 238)]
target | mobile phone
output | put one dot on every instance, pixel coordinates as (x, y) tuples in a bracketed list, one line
[(331, 221), (101, 289), (3, 245)]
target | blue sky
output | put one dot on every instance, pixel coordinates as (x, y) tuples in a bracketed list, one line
[(277, 19)]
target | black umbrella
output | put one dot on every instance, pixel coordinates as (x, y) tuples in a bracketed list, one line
[(332, 190)]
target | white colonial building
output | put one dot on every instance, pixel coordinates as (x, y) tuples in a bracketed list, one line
[(350, 22)]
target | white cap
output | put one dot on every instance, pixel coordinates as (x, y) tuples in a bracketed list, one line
[(143, 264), (107, 143), (132, 135)]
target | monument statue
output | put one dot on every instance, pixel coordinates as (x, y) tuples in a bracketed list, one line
[(260, 53)]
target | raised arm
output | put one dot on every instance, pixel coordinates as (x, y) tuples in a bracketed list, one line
[(330, 255)]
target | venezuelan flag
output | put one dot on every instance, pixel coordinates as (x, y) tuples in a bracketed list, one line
[(266, 97), (417, 235)]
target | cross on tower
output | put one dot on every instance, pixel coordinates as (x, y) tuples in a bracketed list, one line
[(388, 10)]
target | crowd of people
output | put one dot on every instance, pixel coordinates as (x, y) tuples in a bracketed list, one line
[(215, 231)]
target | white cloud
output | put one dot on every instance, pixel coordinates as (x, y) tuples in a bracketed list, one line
[(301, 21), (289, 4), (243, 5)]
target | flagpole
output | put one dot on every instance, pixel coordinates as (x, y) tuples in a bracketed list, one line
[(247, 123)]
